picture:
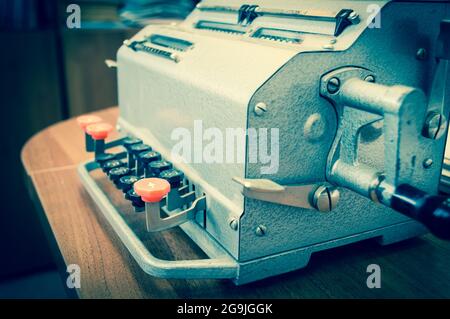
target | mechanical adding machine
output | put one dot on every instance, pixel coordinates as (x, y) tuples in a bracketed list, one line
[(357, 93)]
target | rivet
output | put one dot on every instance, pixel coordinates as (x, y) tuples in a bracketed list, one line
[(421, 54), (333, 85), (354, 17), (435, 125), (260, 230), (325, 198), (370, 78), (260, 108), (427, 163), (234, 224)]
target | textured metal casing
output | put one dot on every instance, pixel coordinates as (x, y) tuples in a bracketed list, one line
[(390, 53)]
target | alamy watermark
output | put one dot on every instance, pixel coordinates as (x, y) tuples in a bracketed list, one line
[(374, 279), (74, 278), (374, 18), (73, 20), (217, 146)]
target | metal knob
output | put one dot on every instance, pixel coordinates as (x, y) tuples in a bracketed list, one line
[(325, 198)]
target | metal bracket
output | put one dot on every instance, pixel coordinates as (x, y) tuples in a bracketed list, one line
[(180, 197), (111, 63), (155, 223), (360, 102), (311, 196)]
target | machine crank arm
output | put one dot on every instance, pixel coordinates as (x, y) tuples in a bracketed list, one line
[(413, 128)]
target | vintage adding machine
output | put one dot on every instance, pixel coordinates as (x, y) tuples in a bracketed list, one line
[(359, 92)]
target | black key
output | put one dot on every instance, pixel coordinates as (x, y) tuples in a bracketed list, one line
[(103, 158), (144, 158), (131, 141), (139, 148), (109, 165), (128, 143), (116, 173), (159, 166), (149, 156), (173, 176), (126, 182), (135, 199)]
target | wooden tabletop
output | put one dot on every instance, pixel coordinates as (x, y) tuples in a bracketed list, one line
[(415, 268)]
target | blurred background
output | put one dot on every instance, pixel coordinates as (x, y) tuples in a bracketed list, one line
[(49, 73)]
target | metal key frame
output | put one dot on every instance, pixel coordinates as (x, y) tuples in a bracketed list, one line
[(178, 197)]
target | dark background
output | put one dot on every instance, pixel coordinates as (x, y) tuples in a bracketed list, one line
[(49, 73)]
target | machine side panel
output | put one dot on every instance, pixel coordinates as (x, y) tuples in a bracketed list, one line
[(292, 96)]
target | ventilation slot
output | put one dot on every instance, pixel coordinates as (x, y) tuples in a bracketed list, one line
[(221, 27)]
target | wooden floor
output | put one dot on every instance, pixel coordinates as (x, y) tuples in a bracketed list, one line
[(414, 268)]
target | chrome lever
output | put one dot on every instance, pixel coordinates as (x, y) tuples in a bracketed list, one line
[(153, 191), (156, 223), (179, 197), (312, 196)]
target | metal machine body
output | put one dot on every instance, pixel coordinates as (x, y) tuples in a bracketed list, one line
[(351, 103)]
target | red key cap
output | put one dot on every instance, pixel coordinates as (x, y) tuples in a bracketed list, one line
[(99, 131), (152, 190), (86, 120)]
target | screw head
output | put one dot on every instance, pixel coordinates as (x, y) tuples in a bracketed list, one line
[(421, 54), (333, 85), (427, 163), (435, 125), (354, 17), (234, 224), (260, 108), (370, 78), (328, 47), (260, 230), (325, 198)]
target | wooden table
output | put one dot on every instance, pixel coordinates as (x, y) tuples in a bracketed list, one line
[(80, 235)]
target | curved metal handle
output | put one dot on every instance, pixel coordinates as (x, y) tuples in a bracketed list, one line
[(220, 265)]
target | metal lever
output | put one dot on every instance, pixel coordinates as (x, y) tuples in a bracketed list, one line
[(179, 197), (153, 191), (313, 196), (111, 63), (156, 223)]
